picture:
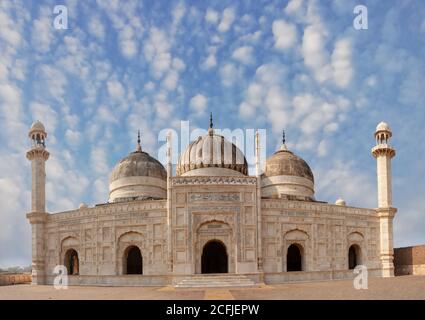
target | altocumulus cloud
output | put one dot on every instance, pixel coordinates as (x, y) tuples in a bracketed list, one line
[(298, 66)]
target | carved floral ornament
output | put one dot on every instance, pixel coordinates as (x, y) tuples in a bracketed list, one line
[(182, 181)]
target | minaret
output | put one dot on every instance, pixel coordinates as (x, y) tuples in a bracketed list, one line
[(37, 217), (169, 204), (259, 222), (383, 153)]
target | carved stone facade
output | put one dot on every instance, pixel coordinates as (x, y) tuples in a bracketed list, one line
[(204, 212), (209, 224)]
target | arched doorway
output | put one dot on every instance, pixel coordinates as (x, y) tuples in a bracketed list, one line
[(353, 256), (294, 258), (72, 263), (134, 261), (214, 258)]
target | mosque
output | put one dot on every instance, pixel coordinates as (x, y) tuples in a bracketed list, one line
[(212, 223)]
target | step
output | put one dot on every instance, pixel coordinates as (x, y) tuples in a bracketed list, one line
[(216, 281)]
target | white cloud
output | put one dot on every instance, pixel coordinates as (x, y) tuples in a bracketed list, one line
[(115, 89), (314, 53), (198, 104), (171, 80), (179, 11), (127, 42), (149, 86), (96, 28), (211, 16), (156, 50), (9, 94), (342, 179), (209, 62), (341, 63), (227, 19), (8, 30), (293, 6), (178, 64), (322, 148), (101, 190), (243, 54), (99, 163), (251, 37), (229, 74), (104, 114), (45, 114), (54, 81), (72, 137), (42, 34), (285, 34)]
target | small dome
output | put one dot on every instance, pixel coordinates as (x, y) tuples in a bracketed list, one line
[(83, 206), (340, 202), (383, 126), (137, 176), (287, 175), (37, 127), (212, 154)]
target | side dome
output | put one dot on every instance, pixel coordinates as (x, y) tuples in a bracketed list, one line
[(212, 155), (138, 176), (287, 176)]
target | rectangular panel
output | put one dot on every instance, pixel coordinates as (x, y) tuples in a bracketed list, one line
[(157, 231), (157, 252), (180, 216)]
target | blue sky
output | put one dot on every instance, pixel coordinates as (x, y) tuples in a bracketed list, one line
[(296, 65)]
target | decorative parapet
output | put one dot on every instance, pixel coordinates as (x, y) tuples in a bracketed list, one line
[(383, 150), (110, 208), (38, 152), (386, 212), (315, 206), (218, 180)]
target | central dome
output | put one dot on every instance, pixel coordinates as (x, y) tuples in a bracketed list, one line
[(212, 155)]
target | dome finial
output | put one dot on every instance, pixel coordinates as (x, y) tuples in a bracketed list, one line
[(211, 130), (138, 147), (283, 146), (211, 121)]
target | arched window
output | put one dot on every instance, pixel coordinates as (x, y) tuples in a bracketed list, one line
[(294, 258), (72, 263), (354, 256), (133, 261), (214, 258)]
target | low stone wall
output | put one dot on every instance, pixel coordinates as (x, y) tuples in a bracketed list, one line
[(409, 260), (311, 276), (120, 280), (8, 279), (164, 280)]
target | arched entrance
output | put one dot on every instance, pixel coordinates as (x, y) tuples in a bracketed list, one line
[(134, 261), (294, 258), (214, 258), (72, 263), (353, 256)]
